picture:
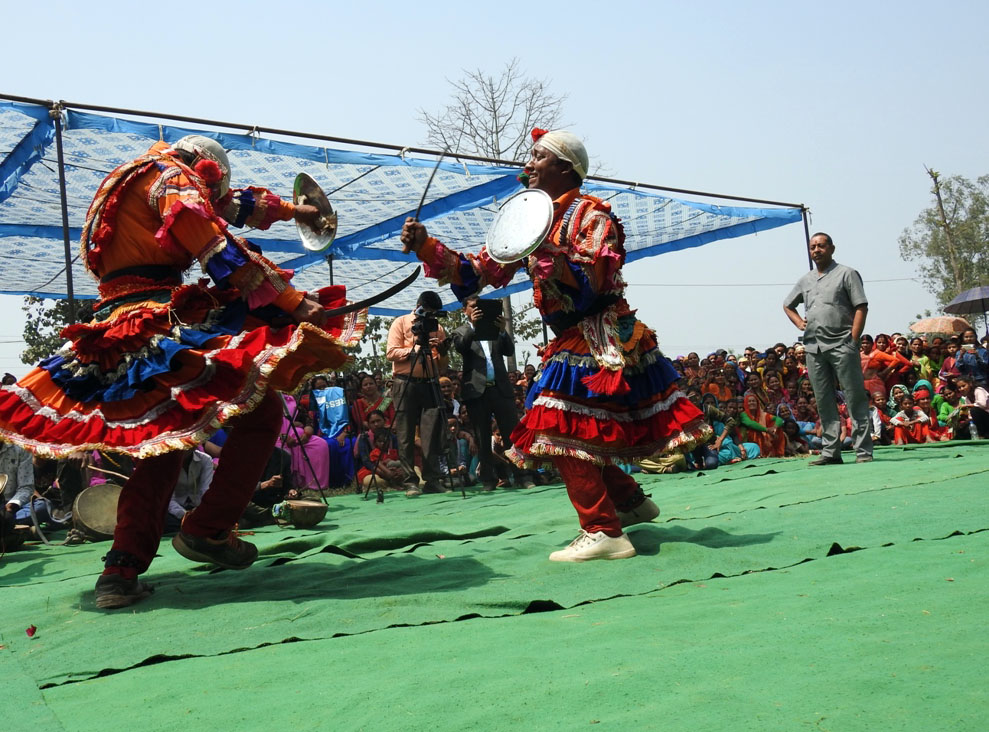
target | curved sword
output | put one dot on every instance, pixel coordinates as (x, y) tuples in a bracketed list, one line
[(375, 299)]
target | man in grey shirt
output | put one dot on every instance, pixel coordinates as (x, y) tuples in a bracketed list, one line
[(835, 306)]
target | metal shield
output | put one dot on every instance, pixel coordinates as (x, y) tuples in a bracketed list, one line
[(520, 226)]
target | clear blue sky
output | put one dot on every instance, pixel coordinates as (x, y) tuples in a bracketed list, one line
[(838, 106)]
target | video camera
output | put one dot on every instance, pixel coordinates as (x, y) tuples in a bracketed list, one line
[(424, 322)]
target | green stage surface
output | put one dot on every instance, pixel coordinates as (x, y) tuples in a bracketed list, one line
[(768, 596)]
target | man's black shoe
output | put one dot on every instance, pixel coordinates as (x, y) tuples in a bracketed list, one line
[(113, 591), (826, 461)]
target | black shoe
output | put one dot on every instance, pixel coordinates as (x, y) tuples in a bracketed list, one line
[(229, 552), (836, 460), (113, 591), (864, 459)]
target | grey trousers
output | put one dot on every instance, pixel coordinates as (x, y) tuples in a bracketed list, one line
[(417, 405), (826, 370)]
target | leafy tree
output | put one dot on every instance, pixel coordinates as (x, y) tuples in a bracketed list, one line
[(44, 323), (949, 238)]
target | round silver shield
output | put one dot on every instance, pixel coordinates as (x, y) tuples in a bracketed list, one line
[(520, 225), (306, 191)]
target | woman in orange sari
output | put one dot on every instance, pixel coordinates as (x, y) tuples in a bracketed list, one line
[(878, 366), (371, 398), (762, 428)]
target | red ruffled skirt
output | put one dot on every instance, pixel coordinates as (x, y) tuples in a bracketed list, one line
[(567, 418), (150, 377)]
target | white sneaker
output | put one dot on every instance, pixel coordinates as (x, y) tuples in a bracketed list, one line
[(645, 511), (595, 546)]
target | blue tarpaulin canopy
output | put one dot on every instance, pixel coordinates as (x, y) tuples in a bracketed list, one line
[(372, 187)]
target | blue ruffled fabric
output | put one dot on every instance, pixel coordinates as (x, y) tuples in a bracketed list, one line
[(471, 282), (224, 263), (137, 378), (562, 377)]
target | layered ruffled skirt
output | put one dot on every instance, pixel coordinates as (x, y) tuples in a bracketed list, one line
[(566, 418), (165, 373)]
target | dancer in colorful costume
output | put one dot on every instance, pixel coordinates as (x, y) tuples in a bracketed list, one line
[(605, 393), (163, 364)]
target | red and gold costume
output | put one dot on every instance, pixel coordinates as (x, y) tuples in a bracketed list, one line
[(604, 393), (163, 364)]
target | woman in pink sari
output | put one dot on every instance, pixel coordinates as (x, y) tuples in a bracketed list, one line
[(298, 438)]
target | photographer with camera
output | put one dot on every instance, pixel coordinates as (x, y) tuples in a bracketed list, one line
[(484, 342), (417, 349)]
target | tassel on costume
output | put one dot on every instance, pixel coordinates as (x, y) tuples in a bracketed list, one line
[(607, 381)]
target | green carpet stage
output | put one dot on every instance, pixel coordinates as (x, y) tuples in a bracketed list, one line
[(768, 596)]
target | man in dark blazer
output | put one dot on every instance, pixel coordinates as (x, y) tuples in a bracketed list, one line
[(485, 388)]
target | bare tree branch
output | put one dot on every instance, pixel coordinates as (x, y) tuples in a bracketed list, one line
[(493, 116)]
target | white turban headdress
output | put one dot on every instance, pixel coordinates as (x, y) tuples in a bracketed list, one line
[(566, 146)]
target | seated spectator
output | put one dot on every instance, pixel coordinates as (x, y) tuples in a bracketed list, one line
[(332, 421), (718, 385), (754, 387), (704, 457), (377, 454), (770, 364), (371, 397), (910, 425), (274, 487), (975, 401), (453, 460), (896, 394), (16, 464), (881, 431), (795, 445), (450, 403), (922, 398), (774, 391), (193, 482), (730, 448), (762, 428), (309, 452), (946, 405), (803, 412)]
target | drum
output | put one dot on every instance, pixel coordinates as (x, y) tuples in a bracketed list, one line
[(306, 191), (301, 514), (520, 225), (94, 511)]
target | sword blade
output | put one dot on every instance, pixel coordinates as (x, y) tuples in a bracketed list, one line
[(375, 299), (428, 184)]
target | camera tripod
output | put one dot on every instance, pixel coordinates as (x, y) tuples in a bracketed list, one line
[(422, 354)]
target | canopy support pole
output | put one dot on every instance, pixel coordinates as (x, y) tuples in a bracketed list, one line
[(329, 261), (803, 215), (56, 115)]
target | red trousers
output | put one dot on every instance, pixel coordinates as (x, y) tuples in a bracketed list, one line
[(144, 498), (596, 492)]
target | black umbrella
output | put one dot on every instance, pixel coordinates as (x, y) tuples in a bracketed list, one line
[(971, 302)]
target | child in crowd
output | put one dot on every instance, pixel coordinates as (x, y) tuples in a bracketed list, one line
[(910, 425)]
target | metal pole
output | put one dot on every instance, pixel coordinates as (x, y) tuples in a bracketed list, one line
[(506, 305), (803, 215), (56, 115), (329, 261)]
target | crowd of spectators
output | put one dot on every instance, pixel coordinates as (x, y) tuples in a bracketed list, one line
[(336, 431)]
